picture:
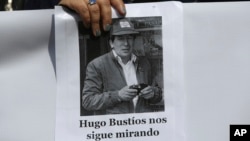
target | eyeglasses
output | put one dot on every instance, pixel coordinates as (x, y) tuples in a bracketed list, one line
[(125, 37)]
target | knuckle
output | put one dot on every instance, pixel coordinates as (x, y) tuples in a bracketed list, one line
[(103, 2)]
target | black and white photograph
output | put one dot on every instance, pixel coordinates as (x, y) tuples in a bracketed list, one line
[(122, 70), (124, 82)]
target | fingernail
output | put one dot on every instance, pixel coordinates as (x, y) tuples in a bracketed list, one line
[(107, 27), (98, 33)]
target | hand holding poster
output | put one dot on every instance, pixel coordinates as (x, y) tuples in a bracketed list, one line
[(126, 84)]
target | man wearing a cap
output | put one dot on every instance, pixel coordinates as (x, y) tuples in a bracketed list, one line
[(107, 87)]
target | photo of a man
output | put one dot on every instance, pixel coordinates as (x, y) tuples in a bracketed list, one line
[(127, 83), (119, 82)]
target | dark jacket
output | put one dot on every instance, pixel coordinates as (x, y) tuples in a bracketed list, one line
[(104, 78)]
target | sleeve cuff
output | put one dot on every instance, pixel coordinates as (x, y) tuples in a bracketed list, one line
[(114, 97)]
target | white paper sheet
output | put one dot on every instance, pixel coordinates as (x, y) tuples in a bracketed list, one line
[(27, 76), (68, 115), (217, 68)]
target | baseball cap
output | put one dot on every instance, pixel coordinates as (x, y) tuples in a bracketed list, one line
[(122, 27)]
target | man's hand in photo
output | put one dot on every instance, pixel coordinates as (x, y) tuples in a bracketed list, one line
[(147, 93), (127, 94)]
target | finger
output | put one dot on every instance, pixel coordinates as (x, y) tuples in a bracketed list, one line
[(133, 94), (105, 10), (147, 89), (119, 6), (132, 90), (127, 97), (130, 94), (94, 12), (79, 7), (146, 95)]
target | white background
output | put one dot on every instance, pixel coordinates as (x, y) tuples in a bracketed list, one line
[(217, 68), (27, 76), (217, 72)]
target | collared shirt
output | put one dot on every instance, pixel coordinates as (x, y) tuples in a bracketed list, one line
[(129, 72)]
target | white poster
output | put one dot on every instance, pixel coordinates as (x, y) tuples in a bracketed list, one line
[(125, 84)]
